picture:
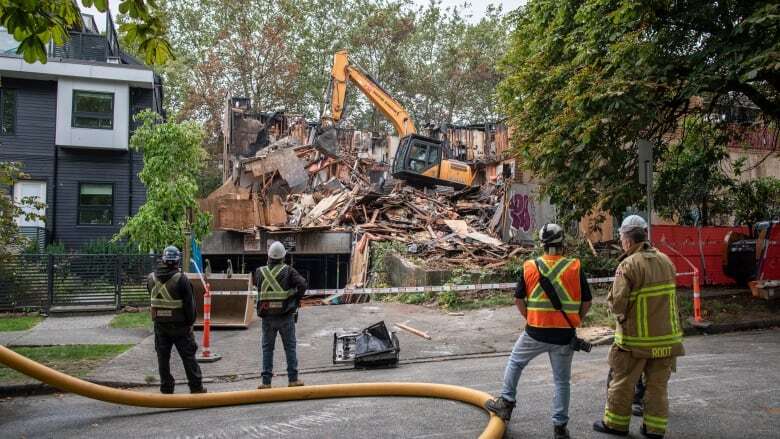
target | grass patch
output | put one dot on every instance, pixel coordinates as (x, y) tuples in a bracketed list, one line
[(76, 360), (18, 323), (490, 299), (128, 320), (599, 315), (725, 309)]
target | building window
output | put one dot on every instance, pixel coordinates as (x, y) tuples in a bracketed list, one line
[(96, 204), (93, 109), (7, 111)]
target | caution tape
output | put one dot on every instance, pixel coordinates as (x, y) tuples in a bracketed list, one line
[(441, 288), (234, 293)]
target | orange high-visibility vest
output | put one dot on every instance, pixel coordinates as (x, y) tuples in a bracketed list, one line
[(564, 273)]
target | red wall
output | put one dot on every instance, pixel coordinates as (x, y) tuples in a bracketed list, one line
[(685, 240)]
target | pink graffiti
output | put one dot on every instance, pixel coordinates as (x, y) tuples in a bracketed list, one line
[(521, 209)]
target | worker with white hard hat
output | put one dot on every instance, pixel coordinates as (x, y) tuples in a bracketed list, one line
[(648, 336), (280, 288), (553, 296)]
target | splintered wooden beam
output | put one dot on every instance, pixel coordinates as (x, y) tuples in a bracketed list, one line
[(411, 330)]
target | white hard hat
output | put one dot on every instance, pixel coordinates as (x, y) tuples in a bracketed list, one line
[(633, 222), (551, 234), (277, 250)]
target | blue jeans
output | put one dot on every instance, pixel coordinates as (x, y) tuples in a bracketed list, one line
[(525, 350), (284, 326)]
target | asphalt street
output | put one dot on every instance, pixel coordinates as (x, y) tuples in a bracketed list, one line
[(728, 386)]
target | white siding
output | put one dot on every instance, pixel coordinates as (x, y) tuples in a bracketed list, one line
[(116, 138)]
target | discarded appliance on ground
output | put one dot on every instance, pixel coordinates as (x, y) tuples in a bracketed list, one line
[(232, 299), (374, 346)]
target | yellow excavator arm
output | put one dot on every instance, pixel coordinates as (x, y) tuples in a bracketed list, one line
[(418, 159), (342, 72)]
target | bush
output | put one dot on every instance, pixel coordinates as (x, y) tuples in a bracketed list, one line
[(108, 247)]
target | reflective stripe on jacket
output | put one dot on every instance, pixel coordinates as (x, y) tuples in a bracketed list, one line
[(166, 302), (564, 273), (643, 298), (272, 295)]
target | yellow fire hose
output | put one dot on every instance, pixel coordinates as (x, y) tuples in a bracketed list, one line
[(494, 430)]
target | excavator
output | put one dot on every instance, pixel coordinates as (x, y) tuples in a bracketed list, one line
[(420, 160)]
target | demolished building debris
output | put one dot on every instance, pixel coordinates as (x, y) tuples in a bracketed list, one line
[(279, 185)]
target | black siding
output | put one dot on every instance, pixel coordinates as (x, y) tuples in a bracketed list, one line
[(33, 145)]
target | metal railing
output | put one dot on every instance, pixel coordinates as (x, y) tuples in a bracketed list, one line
[(42, 281)]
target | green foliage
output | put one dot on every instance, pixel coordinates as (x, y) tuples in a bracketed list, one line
[(756, 200), (35, 23), (76, 360), (586, 78), (376, 267), (18, 323), (55, 248), (434, 60), (602, 264), (691, 184), (10, 239), (109, 247), (414, 298), (599, 315), (173, 158)]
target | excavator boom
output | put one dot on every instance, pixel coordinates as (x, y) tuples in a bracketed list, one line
[(419, 159)]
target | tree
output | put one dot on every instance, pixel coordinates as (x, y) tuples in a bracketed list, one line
[(586, 78), (692, 181), (756, 200), (35, 23), (173, 158), (10, 238)]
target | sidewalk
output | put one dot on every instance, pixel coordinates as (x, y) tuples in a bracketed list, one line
[(484, 331), (90, 329), (476, 332)]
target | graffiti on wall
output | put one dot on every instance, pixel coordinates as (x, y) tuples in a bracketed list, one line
[(521, 211), (526, 213)]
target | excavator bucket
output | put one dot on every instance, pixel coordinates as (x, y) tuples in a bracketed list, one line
[(326, 141), (232, 299)]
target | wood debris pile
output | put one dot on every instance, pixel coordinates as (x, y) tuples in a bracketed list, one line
[(444, 227)]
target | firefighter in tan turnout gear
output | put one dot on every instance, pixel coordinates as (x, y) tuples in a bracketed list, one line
[(173, 312), (648, 337)]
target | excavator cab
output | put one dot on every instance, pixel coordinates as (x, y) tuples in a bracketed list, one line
[(426, 161)]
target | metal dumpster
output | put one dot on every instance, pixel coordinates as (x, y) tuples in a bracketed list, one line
[(232, 299)]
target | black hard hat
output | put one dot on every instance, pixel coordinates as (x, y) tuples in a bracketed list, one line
[(171, 254)]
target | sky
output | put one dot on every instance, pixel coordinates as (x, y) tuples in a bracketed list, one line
[(477, 8)]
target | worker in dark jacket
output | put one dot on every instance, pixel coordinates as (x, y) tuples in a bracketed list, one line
[(173, 313), (280, 288)]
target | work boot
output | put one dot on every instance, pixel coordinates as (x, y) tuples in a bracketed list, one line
[(200, 390), (561, 432), (295, 383), (264, 386), (648, 434), (637, 409), (501, 407), (602, 428), (166, 391)]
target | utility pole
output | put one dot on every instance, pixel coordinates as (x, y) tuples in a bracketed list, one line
[(645, 162)]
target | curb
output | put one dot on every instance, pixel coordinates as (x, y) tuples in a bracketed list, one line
[(723, 328), (45, 389)]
